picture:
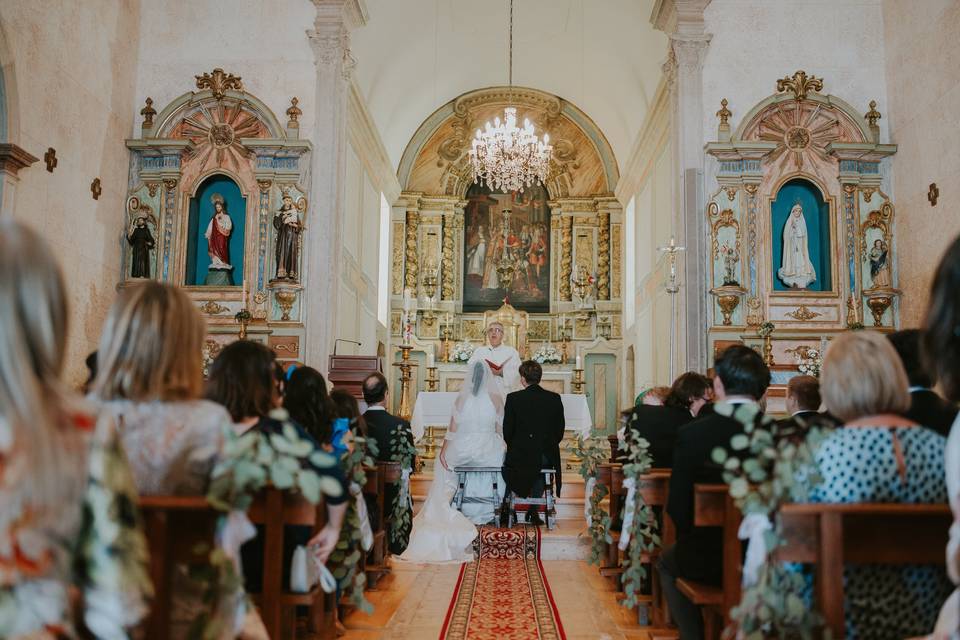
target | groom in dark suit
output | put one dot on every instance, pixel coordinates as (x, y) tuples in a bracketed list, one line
[(533, 426)]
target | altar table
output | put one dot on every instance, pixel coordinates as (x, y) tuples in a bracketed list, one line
[(433, 408)]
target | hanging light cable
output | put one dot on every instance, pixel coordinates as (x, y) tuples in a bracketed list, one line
[(507, 157)]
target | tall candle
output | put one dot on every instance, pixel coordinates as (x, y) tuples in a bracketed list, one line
[(430, 362), (579, 362), (244, 292), (407, 300)]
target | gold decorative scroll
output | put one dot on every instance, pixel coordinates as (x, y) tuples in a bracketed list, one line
[(449, 232), (617, 275), (219, 82), (412, 266), (397, 275), (212, 308), (803, 313), (800, 85), (566, 257), (603, 258)]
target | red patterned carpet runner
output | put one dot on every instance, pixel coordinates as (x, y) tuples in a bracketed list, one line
[(503, 593)]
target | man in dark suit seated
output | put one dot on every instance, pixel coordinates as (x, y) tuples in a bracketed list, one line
[(927, 408), (741, 377), (385, 429), (533, 426), (803, 404)]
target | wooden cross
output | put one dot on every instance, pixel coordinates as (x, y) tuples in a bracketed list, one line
[(50, 158), (95, 188), (933, 194)]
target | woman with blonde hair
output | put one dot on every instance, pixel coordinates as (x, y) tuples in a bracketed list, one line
[(879, 456), (150, 377), (68, 519)]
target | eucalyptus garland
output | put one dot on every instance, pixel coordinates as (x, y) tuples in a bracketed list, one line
[(405, 453), (771, 466), (643, 530), (345, 559), (250, 463), (592, 454)]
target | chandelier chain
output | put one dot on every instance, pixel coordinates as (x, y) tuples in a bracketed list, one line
[(510, 64)]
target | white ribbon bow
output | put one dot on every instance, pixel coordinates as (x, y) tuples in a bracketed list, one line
[(752, 528), (631, 508), (587, 508), (366, 532), (231, 535), (405, 496)]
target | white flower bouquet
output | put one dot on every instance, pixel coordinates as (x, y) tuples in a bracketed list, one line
[(810, 362), (547, 354), (462, 352)]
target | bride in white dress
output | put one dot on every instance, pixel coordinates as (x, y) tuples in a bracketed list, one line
[(474, 439)]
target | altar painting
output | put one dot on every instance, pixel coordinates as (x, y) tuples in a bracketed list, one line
[(215, 248), (506, 229), (800, 226)]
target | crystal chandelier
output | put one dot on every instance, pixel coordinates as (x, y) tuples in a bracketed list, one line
[(505, 156)]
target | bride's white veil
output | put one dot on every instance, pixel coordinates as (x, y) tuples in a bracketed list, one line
[(477, 387)]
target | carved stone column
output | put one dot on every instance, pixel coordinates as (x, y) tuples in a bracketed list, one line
[(682, 21), (412, 269), (452, 221), (330, 40), (12, 159)]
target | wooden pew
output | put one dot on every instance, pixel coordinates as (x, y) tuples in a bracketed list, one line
[(831, 535), (174, 526), (274, 509), (378, 478), (713, 507), (614, 447)]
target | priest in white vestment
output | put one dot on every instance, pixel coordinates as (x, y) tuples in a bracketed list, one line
[(503, 360)]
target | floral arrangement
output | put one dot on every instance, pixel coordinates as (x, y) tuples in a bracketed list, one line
[(251, 462), (405, 453), (547, 354), (345, 558), (810, 362), (593, 455), (762, 472), (765, 329), (462, 352), (643, 529)]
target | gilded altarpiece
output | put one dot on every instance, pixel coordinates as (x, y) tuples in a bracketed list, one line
[(802, 235), (579, 305), (219, 183)]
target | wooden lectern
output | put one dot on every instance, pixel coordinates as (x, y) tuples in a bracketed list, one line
[(348, 372)]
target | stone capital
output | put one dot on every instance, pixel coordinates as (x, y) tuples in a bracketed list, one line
[(689, 51), (330, 36), (13, 158)]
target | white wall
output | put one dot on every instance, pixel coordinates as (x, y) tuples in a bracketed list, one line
[(74, 67), (923, 77)]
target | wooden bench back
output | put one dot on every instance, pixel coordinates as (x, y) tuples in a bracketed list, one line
[(832, 535), (713, 507), (273, 510), (174, 527)]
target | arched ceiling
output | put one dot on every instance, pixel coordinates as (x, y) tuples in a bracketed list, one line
[(416, 55)]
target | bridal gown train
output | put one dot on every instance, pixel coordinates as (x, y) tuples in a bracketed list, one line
[(441, 533)]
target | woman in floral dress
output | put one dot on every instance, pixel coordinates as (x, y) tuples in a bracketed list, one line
[(71, 550)]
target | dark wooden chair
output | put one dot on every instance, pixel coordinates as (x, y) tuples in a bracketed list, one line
[(273, 510), (831, 535), (174, 527), (378, 478)]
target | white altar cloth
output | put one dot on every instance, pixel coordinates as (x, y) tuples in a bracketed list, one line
[(433, 408)]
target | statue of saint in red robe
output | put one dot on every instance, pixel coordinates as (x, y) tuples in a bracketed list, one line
[(218, 237)]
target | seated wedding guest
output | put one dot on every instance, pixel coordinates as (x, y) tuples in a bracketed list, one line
[(71, 549), (347, 417), (803, 404), (740, 377), (171, 435), (659, 424), (308, 403), (941, 346), (926, 405), (242, 379), (388, 430), (879, 456), (652, 396)]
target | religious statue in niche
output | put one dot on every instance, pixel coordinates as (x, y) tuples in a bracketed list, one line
[(141, 242), (796, 269), (879, 265), (288, 224), (730, 257), (218, 243)]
